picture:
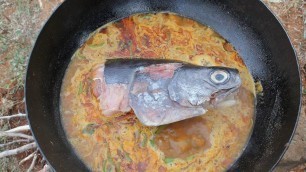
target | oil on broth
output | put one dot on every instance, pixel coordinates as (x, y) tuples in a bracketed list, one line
[(211, 142)]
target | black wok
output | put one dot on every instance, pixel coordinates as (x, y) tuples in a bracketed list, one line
[(248, 25)]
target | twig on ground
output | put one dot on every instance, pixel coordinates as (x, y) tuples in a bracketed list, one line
[(16, 133), (3, 133), (33, 163), (40, 4), (46, 168), (28, 157), (14, 141), (8, 117), (18, 150), (19, 129)]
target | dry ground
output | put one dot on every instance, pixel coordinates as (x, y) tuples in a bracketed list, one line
[(21, 20)]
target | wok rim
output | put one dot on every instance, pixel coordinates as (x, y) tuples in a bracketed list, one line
[(300, 83)]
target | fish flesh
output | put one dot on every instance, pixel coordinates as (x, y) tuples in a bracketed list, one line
[(161, 91)]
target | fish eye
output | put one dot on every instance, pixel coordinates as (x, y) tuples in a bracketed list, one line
[(219, 76)]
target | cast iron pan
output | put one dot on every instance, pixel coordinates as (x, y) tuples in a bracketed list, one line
[(248, 25)]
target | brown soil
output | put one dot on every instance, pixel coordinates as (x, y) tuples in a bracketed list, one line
[(20, 23)]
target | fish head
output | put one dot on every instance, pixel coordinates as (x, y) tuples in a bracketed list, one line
[(203, 86)]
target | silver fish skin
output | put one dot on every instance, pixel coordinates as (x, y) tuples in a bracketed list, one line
[(194, 86), (166, 91), (150, 100)]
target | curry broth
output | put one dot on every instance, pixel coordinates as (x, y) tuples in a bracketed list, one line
[(211, 142)]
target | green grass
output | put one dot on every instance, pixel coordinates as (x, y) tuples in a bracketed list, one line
[(17, 18), (9, 164), (18, 63), (19, 35), (20, 22)]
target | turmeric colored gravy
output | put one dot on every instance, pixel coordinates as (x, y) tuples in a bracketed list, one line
[(211, 142)]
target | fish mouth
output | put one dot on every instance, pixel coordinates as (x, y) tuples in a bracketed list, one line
[(223, 95)]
